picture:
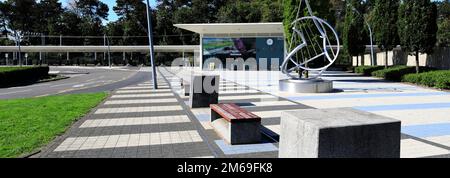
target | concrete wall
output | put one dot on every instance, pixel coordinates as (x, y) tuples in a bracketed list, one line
[(439, 59)]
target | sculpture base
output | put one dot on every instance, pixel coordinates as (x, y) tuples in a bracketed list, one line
[(306, 86)]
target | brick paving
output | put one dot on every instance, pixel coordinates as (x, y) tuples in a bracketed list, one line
[(138, 122)]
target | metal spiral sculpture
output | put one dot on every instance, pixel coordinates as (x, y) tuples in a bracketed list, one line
[(315, 44)]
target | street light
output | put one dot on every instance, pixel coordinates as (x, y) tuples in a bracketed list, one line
[(150, 42), (6, 56), (26, 59), (370, 35)]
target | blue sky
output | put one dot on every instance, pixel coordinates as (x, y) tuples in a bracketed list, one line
[(111, 3)]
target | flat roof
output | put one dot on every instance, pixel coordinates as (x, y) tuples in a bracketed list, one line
[(234, 28)]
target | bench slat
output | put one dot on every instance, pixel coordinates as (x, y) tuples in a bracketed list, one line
[(233, 113)]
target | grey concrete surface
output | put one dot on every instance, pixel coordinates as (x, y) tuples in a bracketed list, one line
[(82, 80), (338, 133)]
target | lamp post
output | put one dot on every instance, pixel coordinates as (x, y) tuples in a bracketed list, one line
[(150, 42), (6, 56), (26, 59), (370, 35)]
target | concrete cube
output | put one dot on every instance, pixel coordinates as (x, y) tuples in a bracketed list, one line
[(338, 133), (204, 90)]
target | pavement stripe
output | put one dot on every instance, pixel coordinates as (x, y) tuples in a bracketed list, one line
[(134, 121), (248, 148), (420, 117), (142, 95), (411, 148), (143, 91), (349, 96), (138, 109), (359, 102), (239, 91), (131, 88), (245, 97), (404, 107), (141, 101), (267, 103), (429, 130), (128, 140)]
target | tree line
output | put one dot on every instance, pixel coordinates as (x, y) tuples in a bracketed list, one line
[(416, 25), (88, 19)]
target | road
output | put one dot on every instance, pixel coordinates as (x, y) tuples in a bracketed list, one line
[(82, 80)]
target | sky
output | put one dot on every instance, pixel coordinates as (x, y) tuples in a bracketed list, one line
[(111, 3)]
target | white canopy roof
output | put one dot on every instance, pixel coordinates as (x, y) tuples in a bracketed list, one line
[(234, 28)]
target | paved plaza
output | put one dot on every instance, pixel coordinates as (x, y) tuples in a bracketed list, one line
[(136, 121)]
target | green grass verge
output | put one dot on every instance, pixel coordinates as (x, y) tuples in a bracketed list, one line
[(7, 69), (437, 79), (28, 124)]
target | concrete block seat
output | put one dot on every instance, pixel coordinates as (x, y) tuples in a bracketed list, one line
[(235, 125), (338, 133), (203, 90), (187, 86)]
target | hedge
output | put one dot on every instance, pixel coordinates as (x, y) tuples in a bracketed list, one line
[(396, 73), (437, 79), (367, 70), (19, 75)]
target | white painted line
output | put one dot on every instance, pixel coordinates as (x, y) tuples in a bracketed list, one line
[(142, 91), (144, 101), (138, 109), (128, 140), (245, 97), (142, 95), (134, 121)]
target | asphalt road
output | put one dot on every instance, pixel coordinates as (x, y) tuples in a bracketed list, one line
[(82, 80)]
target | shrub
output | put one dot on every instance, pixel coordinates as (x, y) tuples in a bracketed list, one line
[(437, 79), (15, 75), (367, 70), (396, 73)]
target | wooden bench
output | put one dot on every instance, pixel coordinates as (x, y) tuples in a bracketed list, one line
[(235, 124)]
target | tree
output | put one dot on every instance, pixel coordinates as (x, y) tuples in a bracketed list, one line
[(132, 20), (92, 12), (354, 33), (418, 27), (50, 14), (443, 23), (384, 20), (239, 11), (271, 10), (21, 14)]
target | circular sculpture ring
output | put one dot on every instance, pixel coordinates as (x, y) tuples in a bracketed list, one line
[(321, 26)]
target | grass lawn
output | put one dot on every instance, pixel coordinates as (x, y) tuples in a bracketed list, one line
[(28, 124), (7, 69)]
